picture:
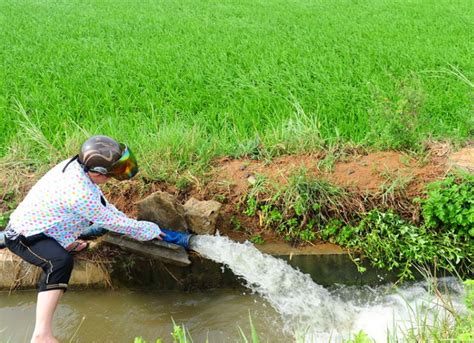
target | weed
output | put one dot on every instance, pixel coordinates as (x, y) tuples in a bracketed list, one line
[(257, 239), (4, 218), (360, 337), (179, 334), (297, 209), (236, 224), (333, 154), (394, 185), (391, 243), (449, 205), (220, 198), (253, 333), (183, 183)]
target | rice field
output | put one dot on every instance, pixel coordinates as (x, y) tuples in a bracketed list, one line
[(182, 82)]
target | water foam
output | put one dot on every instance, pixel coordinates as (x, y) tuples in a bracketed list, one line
[(307, 307)]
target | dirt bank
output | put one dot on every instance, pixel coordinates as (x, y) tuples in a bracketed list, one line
[(385, 179)]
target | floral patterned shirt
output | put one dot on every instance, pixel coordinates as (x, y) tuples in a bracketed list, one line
[(63, 204)]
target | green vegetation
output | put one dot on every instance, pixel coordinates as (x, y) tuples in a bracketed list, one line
[(391, 243), (257, 239), (449, 205), (296, 209), (183, 82), (253, 333), (307, 208)]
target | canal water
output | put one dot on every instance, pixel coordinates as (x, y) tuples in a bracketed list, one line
[(284, 305)]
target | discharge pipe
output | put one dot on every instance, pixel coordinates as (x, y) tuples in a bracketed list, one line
[(177, 237)]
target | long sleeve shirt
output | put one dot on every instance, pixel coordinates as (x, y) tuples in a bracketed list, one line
[(63, 204)]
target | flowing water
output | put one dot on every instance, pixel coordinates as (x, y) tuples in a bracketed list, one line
[(282, 302), (321, 315)]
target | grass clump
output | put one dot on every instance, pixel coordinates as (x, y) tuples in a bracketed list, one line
[(297, 209)]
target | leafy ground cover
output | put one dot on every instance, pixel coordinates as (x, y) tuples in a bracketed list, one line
[(183, 82), (307, 209)]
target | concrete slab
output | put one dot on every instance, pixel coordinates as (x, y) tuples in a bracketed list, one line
[(15, 273), (155, 249)]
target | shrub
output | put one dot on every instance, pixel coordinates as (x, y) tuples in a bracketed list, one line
[(450, 205), (389, 242)]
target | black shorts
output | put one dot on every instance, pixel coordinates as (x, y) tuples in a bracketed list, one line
[(47, 253)]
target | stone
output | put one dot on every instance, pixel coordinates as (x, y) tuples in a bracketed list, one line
[(163, 209), (201, 216)]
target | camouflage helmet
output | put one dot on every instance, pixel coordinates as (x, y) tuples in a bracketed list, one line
[(105, 155)]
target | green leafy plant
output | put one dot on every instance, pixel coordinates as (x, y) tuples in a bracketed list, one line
[(450, 205), (257, 239), (389, 242)]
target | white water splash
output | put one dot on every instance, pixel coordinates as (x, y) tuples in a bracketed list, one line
[(307, 307)]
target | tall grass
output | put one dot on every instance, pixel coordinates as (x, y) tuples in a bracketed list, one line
[(184, 81)]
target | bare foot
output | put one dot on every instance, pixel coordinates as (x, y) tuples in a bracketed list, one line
[(43, 339)]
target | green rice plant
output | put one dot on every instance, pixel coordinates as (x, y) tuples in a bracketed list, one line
[(181, 92), (253, 333)]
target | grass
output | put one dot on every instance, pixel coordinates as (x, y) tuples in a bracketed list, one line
[(183, 82)]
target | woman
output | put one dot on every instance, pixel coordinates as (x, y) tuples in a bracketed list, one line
[(65, 203)]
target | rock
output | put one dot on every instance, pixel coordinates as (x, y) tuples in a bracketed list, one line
[(162, 209), (201, 216), (252, 180)]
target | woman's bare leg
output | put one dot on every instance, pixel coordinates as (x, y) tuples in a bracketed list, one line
[(45, 307)]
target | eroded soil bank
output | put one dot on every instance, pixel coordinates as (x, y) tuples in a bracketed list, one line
[(379, 179)]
